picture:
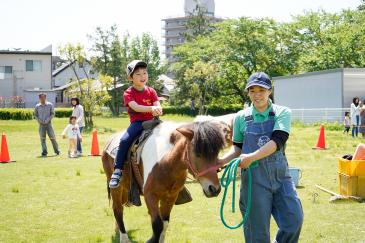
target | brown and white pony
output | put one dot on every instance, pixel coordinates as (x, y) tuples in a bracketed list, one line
[(168, 155)]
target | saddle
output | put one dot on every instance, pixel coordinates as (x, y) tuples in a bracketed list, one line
[(134, 165)]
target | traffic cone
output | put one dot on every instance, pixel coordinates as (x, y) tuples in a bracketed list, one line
[(95, 144), (4, 153), (321, 144)]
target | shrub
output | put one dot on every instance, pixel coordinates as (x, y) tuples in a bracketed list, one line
[(16, 114)]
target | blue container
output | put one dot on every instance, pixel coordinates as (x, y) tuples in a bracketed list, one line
[(296, 175)]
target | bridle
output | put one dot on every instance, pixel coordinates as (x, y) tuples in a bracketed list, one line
[(192, 169)]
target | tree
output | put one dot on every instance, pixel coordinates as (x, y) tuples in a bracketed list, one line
[(237, 48), (92, 99), (110, 59), (146, 49), (113, 55), (199, 23)]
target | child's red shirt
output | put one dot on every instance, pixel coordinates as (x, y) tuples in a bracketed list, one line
[(144, 97)]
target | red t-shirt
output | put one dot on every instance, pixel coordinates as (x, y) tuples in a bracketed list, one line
[(145, 97)]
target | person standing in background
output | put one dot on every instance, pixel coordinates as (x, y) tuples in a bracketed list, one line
[(78, 112), (346, 123), (44, 113), (362, 120), (355, 116)]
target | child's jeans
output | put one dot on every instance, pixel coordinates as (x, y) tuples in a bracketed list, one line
[(134, 130)]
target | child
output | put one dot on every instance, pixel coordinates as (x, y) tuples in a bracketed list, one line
[(73, 132), (346, 122), (143, 105)]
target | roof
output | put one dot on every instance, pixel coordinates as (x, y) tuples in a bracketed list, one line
[(61, 68), (319, 73), (25, 52), (96, 85)]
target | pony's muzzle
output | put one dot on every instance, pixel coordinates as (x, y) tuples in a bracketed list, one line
[(212, 191)]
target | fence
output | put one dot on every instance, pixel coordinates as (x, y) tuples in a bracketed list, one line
[(319, 115), (12, 102)]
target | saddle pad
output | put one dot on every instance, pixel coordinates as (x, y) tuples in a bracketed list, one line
[(112, 148)]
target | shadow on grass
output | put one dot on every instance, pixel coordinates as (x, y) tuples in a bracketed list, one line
[(300, 187), (131, 234), (48, 156)]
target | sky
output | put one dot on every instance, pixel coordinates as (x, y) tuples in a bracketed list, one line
[(33, 25)]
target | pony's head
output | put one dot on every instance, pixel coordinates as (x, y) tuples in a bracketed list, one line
[(205, 140)]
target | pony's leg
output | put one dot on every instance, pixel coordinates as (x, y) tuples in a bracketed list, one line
[(166, 205), (118, 214), (153, 210)]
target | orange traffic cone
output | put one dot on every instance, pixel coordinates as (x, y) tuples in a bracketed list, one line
[(321, 144), (4, 153), (95, 144)]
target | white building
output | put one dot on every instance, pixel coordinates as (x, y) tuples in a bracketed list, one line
[(25, 71), (320, 96), (175, 27)]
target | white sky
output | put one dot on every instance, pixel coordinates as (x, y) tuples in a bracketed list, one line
[(34, 24)]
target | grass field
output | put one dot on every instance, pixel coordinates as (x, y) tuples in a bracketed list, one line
[(57, 199)]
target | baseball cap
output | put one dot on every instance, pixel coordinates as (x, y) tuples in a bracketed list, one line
[(259, 79), (133, 65)]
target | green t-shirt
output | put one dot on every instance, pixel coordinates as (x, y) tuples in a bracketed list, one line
[(282, 120)]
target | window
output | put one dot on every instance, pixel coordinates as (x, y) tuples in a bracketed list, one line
[(33, 65), (5, 71)]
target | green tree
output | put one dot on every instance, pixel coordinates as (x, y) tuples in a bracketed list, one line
[(199, 23), (146, 48), (92, 93), (110, 59)]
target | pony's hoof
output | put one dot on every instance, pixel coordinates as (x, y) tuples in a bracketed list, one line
[(124, 238)]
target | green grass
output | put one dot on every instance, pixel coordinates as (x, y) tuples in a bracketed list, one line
[(57, 199)]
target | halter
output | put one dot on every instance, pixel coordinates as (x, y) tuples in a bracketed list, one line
[(195, 172)]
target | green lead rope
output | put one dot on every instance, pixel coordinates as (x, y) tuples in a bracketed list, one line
[(228, 177)]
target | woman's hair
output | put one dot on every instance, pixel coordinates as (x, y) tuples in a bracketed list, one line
[(71, 117), (347, 113), (355, 100), (76, 99)]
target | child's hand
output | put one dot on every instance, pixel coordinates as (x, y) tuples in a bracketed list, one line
[(156, 111)]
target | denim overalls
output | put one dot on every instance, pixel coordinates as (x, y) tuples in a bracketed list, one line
[(273, 191)]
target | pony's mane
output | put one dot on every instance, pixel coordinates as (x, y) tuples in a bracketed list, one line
[(208, 139)]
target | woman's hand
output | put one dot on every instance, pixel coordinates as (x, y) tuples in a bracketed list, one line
[(80, 138), (246, 160), (63, 136)]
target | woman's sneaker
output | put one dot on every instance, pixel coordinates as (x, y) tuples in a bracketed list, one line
[(115, 179)]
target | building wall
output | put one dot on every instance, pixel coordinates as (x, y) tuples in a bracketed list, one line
[(353, 85), (32, 98), (317, 92), (14, 84), (67, 74)]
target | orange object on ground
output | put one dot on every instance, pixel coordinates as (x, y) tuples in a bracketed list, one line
[(359, 152), (95, 144), (4, 153), (321, 144)]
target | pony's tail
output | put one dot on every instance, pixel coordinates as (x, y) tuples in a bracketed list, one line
[(108, 189)]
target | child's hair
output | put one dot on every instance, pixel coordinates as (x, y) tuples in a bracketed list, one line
[(347, 113), (355, 100), (136, 69), (71, 117)]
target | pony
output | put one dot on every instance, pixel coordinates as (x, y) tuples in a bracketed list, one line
[(169, 154)]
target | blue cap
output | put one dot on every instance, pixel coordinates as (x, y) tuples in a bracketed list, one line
[(259, 79)]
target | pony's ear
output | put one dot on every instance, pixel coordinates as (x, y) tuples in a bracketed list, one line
[(187, 132)]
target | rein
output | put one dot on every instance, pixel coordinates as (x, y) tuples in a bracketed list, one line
[(195, 172)]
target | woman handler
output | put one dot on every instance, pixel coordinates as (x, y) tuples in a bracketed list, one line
[(259, 135)]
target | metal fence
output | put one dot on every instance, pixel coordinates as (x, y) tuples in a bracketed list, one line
[(12, 102), (319, 115)]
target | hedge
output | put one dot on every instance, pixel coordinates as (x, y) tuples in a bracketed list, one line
[(213, 110), (27, 114), (16, 114)]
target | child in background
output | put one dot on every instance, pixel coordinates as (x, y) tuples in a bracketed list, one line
[(72, 131), (346, 122)]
